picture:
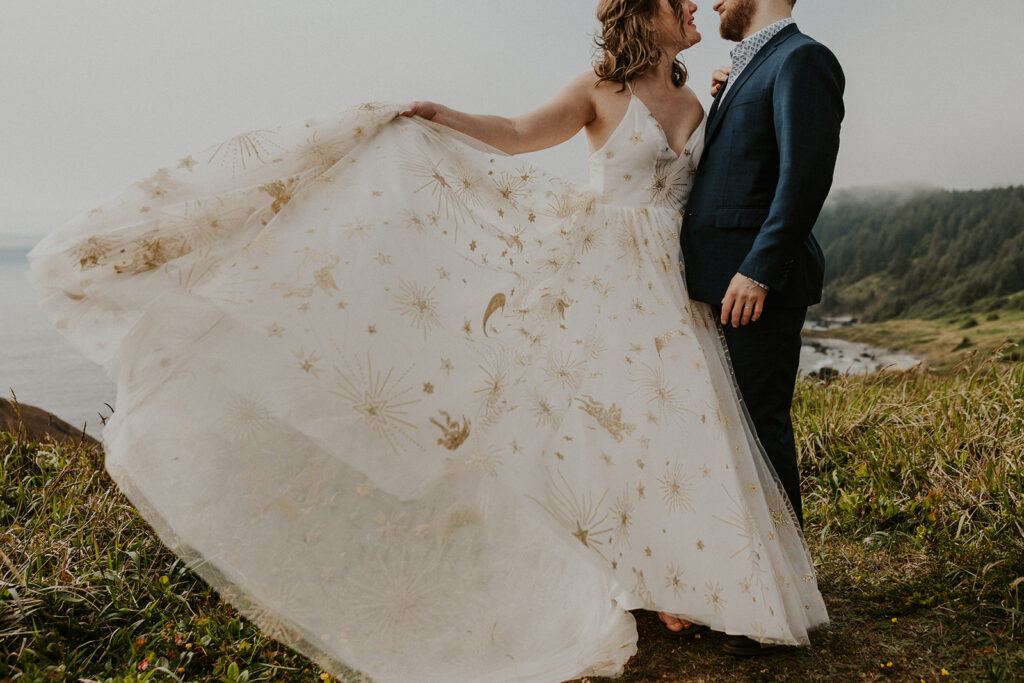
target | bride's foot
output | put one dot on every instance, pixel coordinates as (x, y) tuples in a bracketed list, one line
[(673, 623)]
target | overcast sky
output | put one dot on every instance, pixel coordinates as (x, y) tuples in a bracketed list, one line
[(95, 94)]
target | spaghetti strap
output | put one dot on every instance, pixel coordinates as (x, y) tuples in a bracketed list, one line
[(630, 86)]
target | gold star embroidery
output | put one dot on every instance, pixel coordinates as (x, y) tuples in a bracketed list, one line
[(188, 162), (446, 365), (700, 544), (472, 245), (372, 329), (428, 388), (342, 304), (382, 258), (636, 138), (443, 274)]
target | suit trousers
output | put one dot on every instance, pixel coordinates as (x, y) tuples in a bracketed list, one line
[(765, 358)]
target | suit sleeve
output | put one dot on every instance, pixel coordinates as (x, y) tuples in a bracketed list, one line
[(808, 111)]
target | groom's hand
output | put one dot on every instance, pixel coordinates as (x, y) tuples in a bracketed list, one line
[(719, 77), (743, 302)]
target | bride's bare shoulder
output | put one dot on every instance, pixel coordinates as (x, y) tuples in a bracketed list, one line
[(688, 98)]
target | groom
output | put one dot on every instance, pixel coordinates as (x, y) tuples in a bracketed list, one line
[(770, 149)]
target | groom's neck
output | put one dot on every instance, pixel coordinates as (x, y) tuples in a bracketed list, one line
[(768, 12)]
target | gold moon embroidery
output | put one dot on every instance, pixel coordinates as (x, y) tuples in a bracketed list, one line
[(497, 301), (663, 340)]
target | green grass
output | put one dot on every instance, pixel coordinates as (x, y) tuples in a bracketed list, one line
[(913, 484)]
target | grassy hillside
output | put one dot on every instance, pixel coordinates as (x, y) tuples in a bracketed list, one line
[(912, 489), (923, 255)]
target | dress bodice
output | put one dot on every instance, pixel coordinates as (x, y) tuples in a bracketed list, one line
[(637, 167)]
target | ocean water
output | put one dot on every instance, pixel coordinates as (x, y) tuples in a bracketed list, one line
[(41, 366)]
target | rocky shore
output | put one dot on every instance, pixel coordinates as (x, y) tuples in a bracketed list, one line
[(35, 424), (821, 355)]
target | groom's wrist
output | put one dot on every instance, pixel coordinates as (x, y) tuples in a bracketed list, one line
[(759, 284)]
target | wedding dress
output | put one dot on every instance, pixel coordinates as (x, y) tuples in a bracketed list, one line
[(422, 410)]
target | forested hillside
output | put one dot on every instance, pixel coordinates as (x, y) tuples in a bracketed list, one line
[(931, 253)]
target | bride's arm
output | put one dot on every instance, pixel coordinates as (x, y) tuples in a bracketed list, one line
[(554, 122)]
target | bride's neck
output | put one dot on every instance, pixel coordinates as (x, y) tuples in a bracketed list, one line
[(661, 75)]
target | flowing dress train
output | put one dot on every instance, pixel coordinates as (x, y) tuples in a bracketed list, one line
[(423, 410)]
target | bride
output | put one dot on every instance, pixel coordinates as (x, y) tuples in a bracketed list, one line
[(420, 409)]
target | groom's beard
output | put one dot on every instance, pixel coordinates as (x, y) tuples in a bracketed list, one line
[(736, 19)]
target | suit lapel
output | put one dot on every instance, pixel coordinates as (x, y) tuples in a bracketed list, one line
[(760, 58)]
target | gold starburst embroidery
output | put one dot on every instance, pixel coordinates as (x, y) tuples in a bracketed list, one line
[(399, 595), (674, 580), (376, 400), (714, 596), (497, 371), (564, 370), (545, 411), (676, 488), (667, 189), (320, 153), (631, 249), (449, 198), (622, 517), (357, 228), (247, 419), (241, 149), (577, 513), (655, 386), (416, 302)]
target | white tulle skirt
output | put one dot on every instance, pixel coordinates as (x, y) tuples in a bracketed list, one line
[(421, 410)]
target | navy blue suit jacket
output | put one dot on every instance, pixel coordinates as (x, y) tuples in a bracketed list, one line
[(769, 154)]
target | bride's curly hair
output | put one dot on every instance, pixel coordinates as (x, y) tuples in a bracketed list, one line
[(627, 48)]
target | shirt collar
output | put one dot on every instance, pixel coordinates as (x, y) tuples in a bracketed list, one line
[(749, 46)]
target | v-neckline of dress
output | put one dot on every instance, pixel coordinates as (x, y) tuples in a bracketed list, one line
[(657, 125), (661, 128)]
